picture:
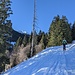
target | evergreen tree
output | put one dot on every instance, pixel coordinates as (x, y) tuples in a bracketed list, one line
[(39, 36), (5, 24), (5, 29), (46, 40), (66, 29), (30, 38), (59, 29), (25, 41), (42, 41), (19, 42), (73, 31)]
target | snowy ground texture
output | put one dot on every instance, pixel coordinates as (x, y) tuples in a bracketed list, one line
[(51, 61)]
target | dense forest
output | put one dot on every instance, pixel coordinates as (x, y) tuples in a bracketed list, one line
[(59, 28)]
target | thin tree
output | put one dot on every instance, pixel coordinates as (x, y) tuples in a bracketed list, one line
[(34, 31)]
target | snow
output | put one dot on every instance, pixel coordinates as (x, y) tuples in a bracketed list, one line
[(51, 61), (13, 43), (22, 32), (73, 42)]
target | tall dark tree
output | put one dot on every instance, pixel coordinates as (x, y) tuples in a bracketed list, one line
[(5, 28), (30, 38), (25, 41), (73, 31), (39, 36), (44, 40), (59, 29), (19, 42), (5, 24)]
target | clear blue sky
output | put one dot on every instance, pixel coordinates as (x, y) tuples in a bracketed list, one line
[(22, 17)]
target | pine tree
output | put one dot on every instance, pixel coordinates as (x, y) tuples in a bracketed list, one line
[(39, 36), (59, 29), (42, 41), (5, 30), (30, 38), (73, 31), (5, 24), (24, 42), (19, 42), (66, 29)]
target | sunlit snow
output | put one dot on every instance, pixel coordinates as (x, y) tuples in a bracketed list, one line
[(51, 61)]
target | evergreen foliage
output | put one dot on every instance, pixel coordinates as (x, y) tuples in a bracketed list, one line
[(19, 42), (59, 29), (16, 35), (5, 25), (3, 60), (73, 31), (25, 41), (30, 38), (44, 40), (5, 30)]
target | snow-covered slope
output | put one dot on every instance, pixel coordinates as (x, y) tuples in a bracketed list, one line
[(51, 61)]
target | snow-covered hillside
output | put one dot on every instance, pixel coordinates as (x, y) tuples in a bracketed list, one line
[(51, 61)]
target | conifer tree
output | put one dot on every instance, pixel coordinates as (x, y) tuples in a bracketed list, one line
[(59, 29), (25, 41), (5, 24), (40, 34), (19, 42), (5, 30), (73, 31), (42, 41), (30, 38)]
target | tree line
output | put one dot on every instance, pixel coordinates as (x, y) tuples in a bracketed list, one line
[(59, 28)]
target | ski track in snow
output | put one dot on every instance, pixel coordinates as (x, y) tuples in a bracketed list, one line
[(51, 61)]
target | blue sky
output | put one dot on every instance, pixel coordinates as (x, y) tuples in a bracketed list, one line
[(23, 11)]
